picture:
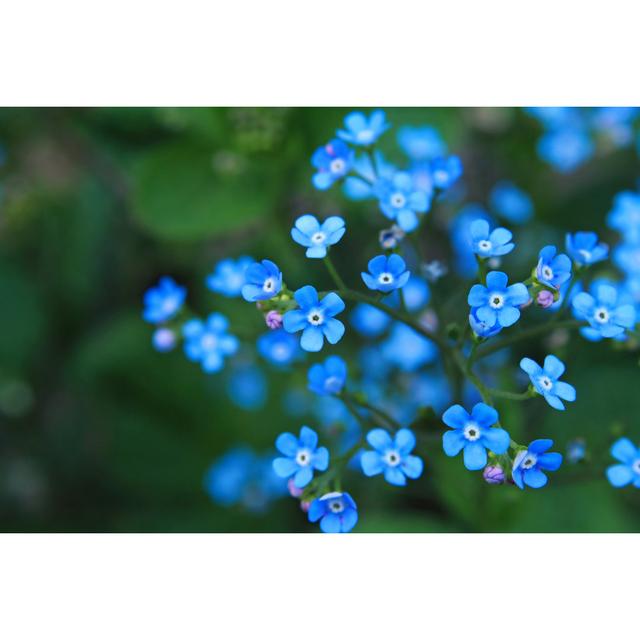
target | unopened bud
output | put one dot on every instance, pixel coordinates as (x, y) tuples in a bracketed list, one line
[(545, 299), (273, 320), (494, 474)]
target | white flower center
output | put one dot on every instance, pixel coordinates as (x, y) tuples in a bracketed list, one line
[(269, 285), (318, 237), (385, 278), (169, 305), (333, 384), (392, 458), (315, 317), (585, 254), (471, 431), (209, 342), (636, 466), (484, 245), (337, 166), (398, 200), (601, 315), (545, 383), (547, 272), (303, 457), (336, 506), (496, 300), (529, 461), (365, 136)]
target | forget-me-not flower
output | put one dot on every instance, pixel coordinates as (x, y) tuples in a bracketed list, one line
[(510, 202), (328, 378), (545, 380), (400, 200), (529, 466), (263, 281), (626, 257), (421, 143), (601, 309), (315, 318), (553, 270), (301, 456), (386, 273), (362, 131), (209, 342), (309, 233), (497, 302), (332, 161), (228, 276), (490, 244), (445, 172), (392, 456), (628, 471), (336, 511), (474, 433), (279, 347), (625, 215), (161, 303), (584, 248)]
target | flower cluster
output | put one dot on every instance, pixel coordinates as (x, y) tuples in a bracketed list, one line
[(421, 353)]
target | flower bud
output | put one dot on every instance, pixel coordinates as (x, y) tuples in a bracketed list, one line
[(494, 474), (273, 320), (164, 339), (294, 491), (305, 506), (544, 299)]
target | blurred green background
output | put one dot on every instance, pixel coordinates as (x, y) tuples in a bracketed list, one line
[(98, 432)]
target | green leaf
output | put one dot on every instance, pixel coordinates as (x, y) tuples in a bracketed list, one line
[(178, 195)]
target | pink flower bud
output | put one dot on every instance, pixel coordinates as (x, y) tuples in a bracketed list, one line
[(494, 474), (273, 320), (293, 490), (545, 299), (305, 506)]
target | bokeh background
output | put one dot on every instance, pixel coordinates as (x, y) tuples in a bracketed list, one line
[(99, 432)]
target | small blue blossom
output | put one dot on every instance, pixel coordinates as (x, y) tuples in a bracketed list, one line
[(445, 172), (511, 203), (466, 263), (529, 466), (490, 244), (302, 456), (497, 302), (309, 233), (625, 215), (565, 149), (247, 388), (336, 511), (392, 456), (362, 131), (474, 433), (421, 143), (163, 302), (407, 349), (553, 270), (576, 451), (483, 329), (601, 309), (368, 171), (164, 339), (401, 201), (369, 321), (386, 273), (627, 258), (264, 281), (584, 248), (209, 342), (228, 277), (333, 161), (279, 347), (546, 381), (315, 318), (328, 378), (620, 475)]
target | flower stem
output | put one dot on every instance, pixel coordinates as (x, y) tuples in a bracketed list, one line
[(333, 272)]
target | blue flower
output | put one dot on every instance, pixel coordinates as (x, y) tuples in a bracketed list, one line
[(565, 149), (309, 233), (510, 202), (392, 456), (445, 172), (247, 388), (545, 380), (279, 347), (369, 321), (264, 281), (529, 465), (302, 456), (333, 162), (584, 248), (400, 200), (627, 258), (336, 511), (407, 349), (208, 342), (474, 433), (362, 131), (421, 143), (553, 270), (497, 302), (488, 244), (328, 378), (620, 475), (601, 310), (228, 277), (315, 318), (386, 273), (460, 233), (625, 215), (483, 329), (368, 172), (164, 339), (161, 303)]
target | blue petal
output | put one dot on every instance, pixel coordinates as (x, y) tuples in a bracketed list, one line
[(535, 478), (479, 230), (284, 467), (530, 367), (377, 265), (371, 463), (412, 467), (554, 401), (349, 520), (307, 224), (554, 367), (500, 236), (484, 415), (496, 439), (456, 417), (380, 440), (330, 523), (497, 280), (317, 251), (308, 438), (294, 321), (405, 441), (316, 511), (303, 477), (394, 476), (540, 446), (333, 224), (550, 461), (619, 475), (306, 297), (300, 237), (518, 294), (475, 456), (478, 296), (508, 316), (565, 391), (333, 304), (453, 442), (624, 450), (287, 444), (312, 339), (333, 330), (321, 459)]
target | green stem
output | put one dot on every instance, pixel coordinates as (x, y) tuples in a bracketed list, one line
[(391, 422), (509, 395), (333, 272)]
